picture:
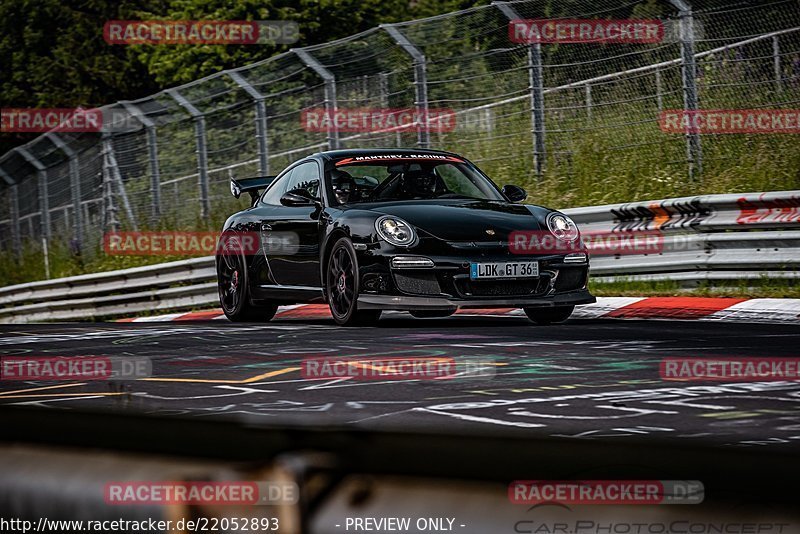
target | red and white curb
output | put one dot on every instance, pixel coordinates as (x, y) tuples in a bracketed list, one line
[(675, 308)]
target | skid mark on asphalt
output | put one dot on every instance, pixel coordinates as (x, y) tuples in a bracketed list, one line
[(586, 380), (219, 381), (479, 419), (33, 393), (64, 395), (28, 390)]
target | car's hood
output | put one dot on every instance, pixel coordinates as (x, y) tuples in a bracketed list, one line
[(466, 220)]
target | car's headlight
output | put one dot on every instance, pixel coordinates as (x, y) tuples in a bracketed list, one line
[(395, 231), (562, 227)]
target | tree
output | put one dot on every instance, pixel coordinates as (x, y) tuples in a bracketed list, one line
[(52, 54)]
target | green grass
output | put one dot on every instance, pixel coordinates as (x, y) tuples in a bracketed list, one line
[(621, 155), (30, 267), (743, 289)]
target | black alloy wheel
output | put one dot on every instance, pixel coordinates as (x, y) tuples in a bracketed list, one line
[(232, 285), (342, 286)]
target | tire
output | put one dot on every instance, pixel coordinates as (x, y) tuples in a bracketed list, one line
[(545, 316), (342, 287), (431, 314), (234, 297)]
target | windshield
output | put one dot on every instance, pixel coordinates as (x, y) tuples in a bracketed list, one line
[(354, 183)]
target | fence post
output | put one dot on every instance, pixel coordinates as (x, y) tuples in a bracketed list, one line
[(776, 58), (202, 150), (383, 97), (44, 198), (152, 156), (588, 91), (694, 151), (330, 93), (536, 80), (110, 219), (659, 92), (383, 89), (16, 234), (261, 120), (75, 185), (420, 82), (16, 237), (116, 178)]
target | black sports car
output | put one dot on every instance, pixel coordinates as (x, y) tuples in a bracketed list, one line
[(395, 229)]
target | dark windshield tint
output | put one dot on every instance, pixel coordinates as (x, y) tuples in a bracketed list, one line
[(403, 180)]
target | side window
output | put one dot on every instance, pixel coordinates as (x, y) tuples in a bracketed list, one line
[(277, 189), (305, 176)]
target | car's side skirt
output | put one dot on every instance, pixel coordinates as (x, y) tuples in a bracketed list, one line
[(289, 293)]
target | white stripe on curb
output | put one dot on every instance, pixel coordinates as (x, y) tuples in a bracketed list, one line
[(760, 311), (754, 310), (603, 306)]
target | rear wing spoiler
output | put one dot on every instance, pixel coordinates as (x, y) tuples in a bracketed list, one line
[(250, 185)]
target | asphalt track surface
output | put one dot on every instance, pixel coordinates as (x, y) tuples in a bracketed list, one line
[(586, 379)]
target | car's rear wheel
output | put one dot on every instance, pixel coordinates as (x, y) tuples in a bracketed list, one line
[(432, 314), (342, 286), (232, 284), (545, 316)]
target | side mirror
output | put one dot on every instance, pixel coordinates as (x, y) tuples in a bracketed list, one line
[(514, 193), (297, 197)]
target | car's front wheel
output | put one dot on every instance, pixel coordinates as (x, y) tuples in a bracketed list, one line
[(544, 316), (232, 284), (342, 286)]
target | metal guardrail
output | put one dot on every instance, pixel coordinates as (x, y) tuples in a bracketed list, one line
[(746, 236), (713, 237), (167, 286)]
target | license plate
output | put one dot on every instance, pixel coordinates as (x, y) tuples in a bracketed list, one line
[(511, 269)]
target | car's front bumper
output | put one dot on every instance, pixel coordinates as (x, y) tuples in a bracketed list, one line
[(446, 283), (411, 303)]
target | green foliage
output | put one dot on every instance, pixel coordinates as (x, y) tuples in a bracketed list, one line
[(52, 54)]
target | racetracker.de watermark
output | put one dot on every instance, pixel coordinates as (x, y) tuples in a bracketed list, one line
[(730, 369), (606, 492), (178, 243), (730, 121), (201, 493), (378, 119), (597, 243), (174, 32), (38, 120), (397, 368), (16, 368), (532, 31)]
